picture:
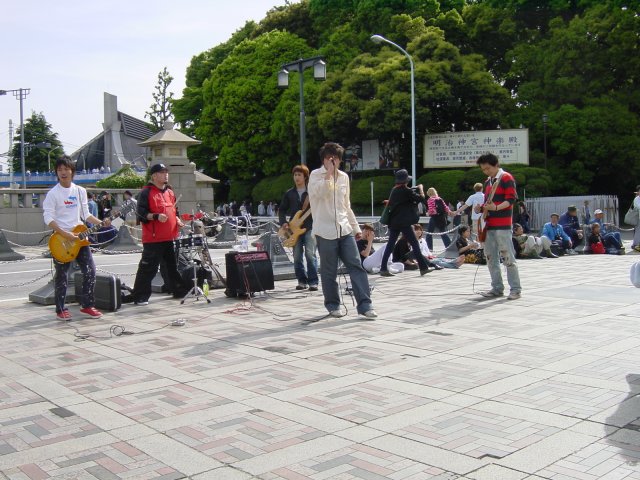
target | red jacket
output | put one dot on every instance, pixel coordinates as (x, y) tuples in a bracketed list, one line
[(154, 200)]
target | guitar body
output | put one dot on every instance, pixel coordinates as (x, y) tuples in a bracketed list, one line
[(65, 251), (290, 235)]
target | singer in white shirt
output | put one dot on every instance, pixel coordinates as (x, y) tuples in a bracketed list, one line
[(336, 230)]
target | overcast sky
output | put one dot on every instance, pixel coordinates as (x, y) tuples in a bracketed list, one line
[(71, 51)]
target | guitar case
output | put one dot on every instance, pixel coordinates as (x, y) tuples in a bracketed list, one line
[(107, 293)]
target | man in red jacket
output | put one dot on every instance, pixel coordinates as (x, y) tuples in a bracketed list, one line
[(158, 214)]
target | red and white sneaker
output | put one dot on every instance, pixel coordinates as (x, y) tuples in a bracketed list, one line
[(92, 312), (64, 315)]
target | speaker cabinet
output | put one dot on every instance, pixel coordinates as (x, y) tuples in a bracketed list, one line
[(248, 272)]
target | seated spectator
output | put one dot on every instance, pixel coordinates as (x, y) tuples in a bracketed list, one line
[(530, 246), (571, 225), (595, 240), (370, 257), (611, 239), (554, 232), (471, 250), (432, 260)]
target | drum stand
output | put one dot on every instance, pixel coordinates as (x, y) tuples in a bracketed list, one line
[(195, 292)]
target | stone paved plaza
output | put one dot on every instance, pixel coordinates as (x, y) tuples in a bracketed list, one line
[(443, 385)]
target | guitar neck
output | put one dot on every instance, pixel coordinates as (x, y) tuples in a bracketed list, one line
[(98, 226)]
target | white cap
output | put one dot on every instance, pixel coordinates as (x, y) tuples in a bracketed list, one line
[(597, 211)]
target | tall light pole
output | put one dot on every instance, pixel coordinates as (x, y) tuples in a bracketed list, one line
[(319, 73), (545, 119), (20, 94), (379, 39)]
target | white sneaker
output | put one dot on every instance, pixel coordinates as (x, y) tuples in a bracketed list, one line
[(337, 313), (370, 314)]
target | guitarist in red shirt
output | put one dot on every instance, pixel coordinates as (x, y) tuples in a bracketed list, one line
[(498, 214), (294, 200)]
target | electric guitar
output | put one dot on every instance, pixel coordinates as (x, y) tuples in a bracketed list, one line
[(65, 250), (482, 221), (290, 235)]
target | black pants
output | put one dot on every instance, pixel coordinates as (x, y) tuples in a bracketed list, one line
[(410, 235), (88, 268), (152, 255)]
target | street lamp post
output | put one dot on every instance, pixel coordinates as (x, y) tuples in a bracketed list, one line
[(379, 39), (20, 94), (319, 73), (49, 156), (545, 119)]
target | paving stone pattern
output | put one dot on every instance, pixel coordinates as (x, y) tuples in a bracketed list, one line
[(443, 385)]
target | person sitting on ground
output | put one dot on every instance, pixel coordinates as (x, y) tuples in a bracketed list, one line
[(432, 260), (530, 246), (370, 257), (471, 250), (554, 232), (571, 225), (611, 239), (596, 242)]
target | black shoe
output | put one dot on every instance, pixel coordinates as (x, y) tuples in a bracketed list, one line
[(386, 273), (424, 271), (313, 288)]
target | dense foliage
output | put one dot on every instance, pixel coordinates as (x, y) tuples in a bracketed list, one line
[(479, 64), (37, 134), (126, 177)]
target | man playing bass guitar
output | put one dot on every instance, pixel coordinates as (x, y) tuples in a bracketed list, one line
[(500, 192), (296, 199), (65, 207)]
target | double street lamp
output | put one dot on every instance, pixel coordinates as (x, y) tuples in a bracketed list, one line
[(51, 150), (319, 73), (380, 39), (20, 94)]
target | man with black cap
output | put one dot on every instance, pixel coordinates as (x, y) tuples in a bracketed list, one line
[(158, 214), (403, 208), (571, 225)]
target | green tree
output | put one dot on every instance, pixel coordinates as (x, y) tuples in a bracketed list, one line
[(161, 107), (37, 131)]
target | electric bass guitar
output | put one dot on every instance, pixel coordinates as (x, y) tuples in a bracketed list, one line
[(65, 250), (290, 235)]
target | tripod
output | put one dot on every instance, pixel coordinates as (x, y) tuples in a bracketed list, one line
[(195, 292)]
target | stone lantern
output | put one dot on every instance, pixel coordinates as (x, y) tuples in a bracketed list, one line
[(169, 146)]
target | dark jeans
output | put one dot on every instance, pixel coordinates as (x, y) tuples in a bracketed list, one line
[(391, 243), (88, 268), (152, 254), (345, 249), (437, 222), (573, 234), (612, 240)]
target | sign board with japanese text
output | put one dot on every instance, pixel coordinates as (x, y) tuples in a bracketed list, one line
[(462, 149)]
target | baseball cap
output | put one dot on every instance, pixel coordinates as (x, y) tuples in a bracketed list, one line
[(158, 167), (597, 211)]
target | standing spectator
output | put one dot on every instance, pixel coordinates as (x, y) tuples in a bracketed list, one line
[(499, 217), (521, 216), (131, 219), (64, 207), (160, 227), (438, 211), (270, 209), (93, 206), (336, 230), (477, 198), (262, 211), (635, 243), (403, 213), (105, 206), (571, 224)]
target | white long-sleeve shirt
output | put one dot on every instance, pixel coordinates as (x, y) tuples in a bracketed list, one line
[(67, 206), (331, 205)]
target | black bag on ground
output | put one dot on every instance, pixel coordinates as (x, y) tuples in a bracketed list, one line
[(107, 293)]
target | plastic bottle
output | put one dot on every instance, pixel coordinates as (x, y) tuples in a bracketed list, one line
[(245, 244), (205, 287)]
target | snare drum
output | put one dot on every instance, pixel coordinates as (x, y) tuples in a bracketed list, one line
[(189, 241)]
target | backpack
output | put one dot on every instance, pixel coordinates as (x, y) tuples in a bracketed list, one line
[(440, 208)]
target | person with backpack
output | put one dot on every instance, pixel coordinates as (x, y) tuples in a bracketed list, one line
[(438, 212)]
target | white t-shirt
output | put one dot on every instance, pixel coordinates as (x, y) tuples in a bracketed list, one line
[(67, 206), (473, 200)]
